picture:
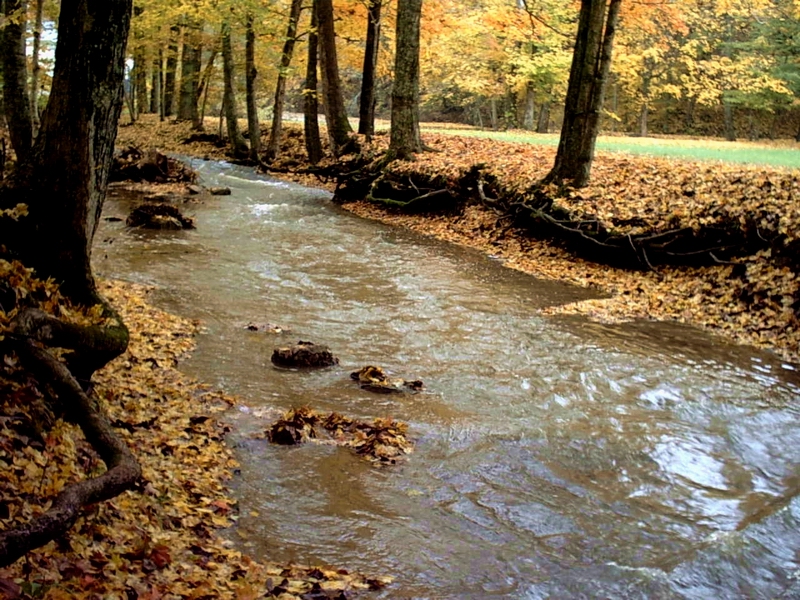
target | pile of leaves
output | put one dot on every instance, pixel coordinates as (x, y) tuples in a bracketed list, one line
[(161, 539), (381, 441), (304, 355), (133, 164)]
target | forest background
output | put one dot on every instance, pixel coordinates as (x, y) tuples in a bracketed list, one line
[(689, 67)]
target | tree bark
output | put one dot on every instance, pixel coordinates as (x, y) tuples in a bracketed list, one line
[(204, 85), (591, 62), (730, 128), (530, 105), (280, 87), (339, 129), (36, 67), (253, 126), (65, 176), (366, 110), (643, 114), (171, 70), (404, 136), (155, 89), (140, 79), (16, 100), (238, 145), (189, 97), (543, 122), (310, 101)]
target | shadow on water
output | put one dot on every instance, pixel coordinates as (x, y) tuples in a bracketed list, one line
[(555, 458)]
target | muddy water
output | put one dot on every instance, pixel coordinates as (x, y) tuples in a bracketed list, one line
[(555, 457)]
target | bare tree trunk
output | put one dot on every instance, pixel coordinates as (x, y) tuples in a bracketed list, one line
[(310, 102), (730, 128), (366, 110), (591, 62), (339, 129), (36, 67), (169, 76), (530, 105), (140, 78), (16, 100), (253, 126), (155, 89), (189, 96), (280, 87), (643, 113), (404, 137), (203, 89), (238, 145), (493, 112)]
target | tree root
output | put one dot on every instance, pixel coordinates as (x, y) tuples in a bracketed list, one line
[(123, 470)]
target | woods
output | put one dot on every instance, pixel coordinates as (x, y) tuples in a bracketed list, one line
[(76, 71)]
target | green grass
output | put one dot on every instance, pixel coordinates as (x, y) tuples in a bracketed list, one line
[(687, 149)]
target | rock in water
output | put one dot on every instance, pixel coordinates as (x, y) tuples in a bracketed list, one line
[(158, 216), (304, 354), (219, 191), (375, 379)]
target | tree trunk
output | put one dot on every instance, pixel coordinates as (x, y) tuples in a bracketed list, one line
[(16, 100), (310, 102), (530, 104), (140, 78), (493, 112), (366, 109), (203, 89), (339, 129), (591, 62), (36, 67), (64, 179), (404, 137), (189, 96), (730, 128), (643, 113), (238, 145), (543, 122), (169, 74), (155, 88), (280, 87), (253, 127)]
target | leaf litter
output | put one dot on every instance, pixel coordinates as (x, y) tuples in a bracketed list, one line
[(161, 540)]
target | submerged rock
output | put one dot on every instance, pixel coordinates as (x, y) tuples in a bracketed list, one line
[(375, 379), (304, 354), (219, 191), (158, 216)]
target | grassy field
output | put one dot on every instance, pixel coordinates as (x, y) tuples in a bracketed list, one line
[(778, 154)]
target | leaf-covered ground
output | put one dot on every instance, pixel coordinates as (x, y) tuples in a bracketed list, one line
[(161, 540), (753, 300)]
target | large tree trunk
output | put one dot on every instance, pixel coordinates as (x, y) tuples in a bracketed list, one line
[(203, 88), (591, 62), (366, 109), (36, 67), (140, 78), (280, 88), (238, 145), (643, 114), (253, 126), (16, 100), (189, 97), (170, 73), (339, 129), (64, 179), (405, 138), (310, 101)]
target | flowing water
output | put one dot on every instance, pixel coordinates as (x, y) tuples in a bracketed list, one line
[(555, 457)]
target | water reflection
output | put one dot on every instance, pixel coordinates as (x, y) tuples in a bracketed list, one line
[(555, 457)]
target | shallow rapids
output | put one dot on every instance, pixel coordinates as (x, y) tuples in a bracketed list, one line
[(555, 457)]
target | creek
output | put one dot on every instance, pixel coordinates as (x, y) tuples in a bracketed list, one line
[(555, 457)]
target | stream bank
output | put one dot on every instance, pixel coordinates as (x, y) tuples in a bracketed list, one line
[(747, 298)]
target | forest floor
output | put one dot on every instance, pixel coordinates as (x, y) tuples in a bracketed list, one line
[(751, 298)]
